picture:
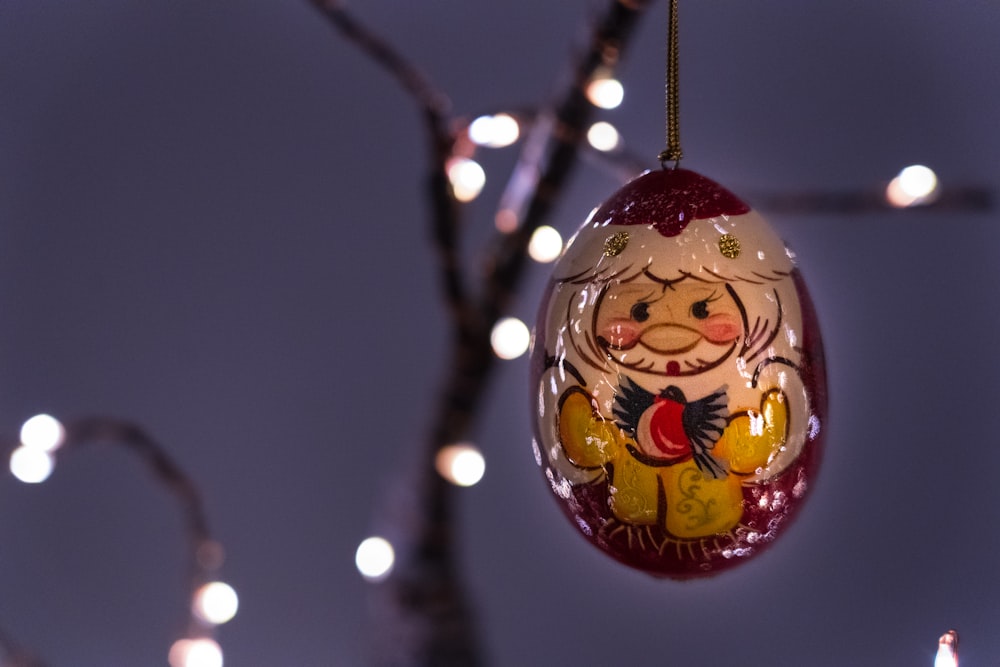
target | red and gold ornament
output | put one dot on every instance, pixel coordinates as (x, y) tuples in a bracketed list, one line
[(679, 376)]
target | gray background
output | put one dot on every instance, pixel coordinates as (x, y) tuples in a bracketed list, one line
[(211, 222)]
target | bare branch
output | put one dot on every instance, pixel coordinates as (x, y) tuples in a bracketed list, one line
[(550, 154), (204, 554), (416, 84), (425, 617), (165, 470)]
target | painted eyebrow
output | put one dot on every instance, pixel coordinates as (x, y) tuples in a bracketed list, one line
[(666, 282), (648, 298)]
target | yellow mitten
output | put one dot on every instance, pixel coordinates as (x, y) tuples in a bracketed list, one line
[(588, 439), (753, 437)]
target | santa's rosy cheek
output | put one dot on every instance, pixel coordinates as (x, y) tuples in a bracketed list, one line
[(620, 333), (720, 328)]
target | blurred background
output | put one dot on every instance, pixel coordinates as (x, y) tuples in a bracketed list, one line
[(212, 222)]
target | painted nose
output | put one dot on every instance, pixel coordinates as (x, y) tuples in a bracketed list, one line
[(670, 338)]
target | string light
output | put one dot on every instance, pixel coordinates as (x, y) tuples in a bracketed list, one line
[(603, 136), (31, 465), (43, 432), (545, 245), (913, 186), (494, 131), (212, 604), (33, 461), (947, 653), (200, 652), (505, 220), (462, 464), (467, 178), (375, 558), (510, 338), (215, 603), (605, 92)]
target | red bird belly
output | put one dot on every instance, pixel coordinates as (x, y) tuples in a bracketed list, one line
[(666, 430)]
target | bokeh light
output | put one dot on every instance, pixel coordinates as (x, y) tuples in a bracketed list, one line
[(31, 465), (375, 558), (467, 178), (462, 464), (494, 131), (947, 653), (201, 652), (605, 92), (545, 245), (216, 603), (913, 186), (505, 220), (510, 338), (43, 432), (603, 136)]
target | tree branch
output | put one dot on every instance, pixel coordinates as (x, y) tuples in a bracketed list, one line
[(204, 554), (428, 621)]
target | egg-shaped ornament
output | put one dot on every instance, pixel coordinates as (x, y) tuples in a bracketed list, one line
[(678, 373)]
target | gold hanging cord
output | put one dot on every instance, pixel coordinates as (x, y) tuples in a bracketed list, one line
[(673, 152)]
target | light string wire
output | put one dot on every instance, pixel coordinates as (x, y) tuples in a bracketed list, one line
[(204, 554), (673, 152)]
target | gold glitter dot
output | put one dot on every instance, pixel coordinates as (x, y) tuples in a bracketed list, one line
[(729, 246), (615, 243)]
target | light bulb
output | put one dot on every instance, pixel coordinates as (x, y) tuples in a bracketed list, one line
[(467, 178), (43, 432), (494, 131), (545, 245), (605, 92), (462, 464), (914, 185), (31, 465), (510, 338), (201, 652), (947, 653), (215, 603), (506, 220), (375, 558), (603, 136)]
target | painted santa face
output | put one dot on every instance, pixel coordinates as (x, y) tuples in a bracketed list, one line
[(664, 327), (679, 391)]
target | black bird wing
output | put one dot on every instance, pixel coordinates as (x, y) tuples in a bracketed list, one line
[(704, 421), (630, 402)]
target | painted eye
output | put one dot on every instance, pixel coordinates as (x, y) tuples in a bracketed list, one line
[(640, 311), (700, 309)]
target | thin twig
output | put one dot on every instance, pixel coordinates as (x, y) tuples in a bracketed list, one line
[(203, 553), (414, 82), (426, 619), (90, 430)]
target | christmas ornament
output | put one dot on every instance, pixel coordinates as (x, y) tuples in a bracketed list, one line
[(679, 374)]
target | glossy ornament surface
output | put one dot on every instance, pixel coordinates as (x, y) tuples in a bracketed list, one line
[(679, 377)]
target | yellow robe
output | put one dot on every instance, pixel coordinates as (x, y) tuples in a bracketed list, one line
[(678, 497)]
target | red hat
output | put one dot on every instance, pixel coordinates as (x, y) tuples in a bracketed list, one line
[(667, 200)]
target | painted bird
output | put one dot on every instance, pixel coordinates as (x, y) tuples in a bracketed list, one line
[(669, 429)]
